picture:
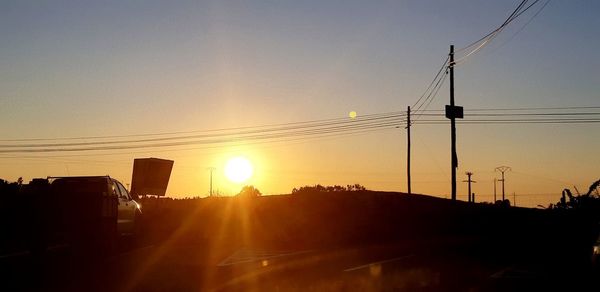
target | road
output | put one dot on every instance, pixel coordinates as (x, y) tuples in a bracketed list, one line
[(436, 265)]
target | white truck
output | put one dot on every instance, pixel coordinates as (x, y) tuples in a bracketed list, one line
[(79, 211)]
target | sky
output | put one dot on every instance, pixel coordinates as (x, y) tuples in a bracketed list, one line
[(104, 68)]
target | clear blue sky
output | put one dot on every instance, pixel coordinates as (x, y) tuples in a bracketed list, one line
[(78, 68)]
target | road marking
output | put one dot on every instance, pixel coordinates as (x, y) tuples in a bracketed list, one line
[(247, 255), (500, 273), (15, 254), (379, 263), (514, 272)]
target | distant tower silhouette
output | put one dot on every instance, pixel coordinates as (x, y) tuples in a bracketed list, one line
[(469, 174), (502, 170)]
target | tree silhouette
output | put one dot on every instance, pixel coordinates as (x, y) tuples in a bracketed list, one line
[(328, 189), (249, 192)]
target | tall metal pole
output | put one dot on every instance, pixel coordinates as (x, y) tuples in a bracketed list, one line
[(454, 159), (408, 149), (502, 169), (503, 186)]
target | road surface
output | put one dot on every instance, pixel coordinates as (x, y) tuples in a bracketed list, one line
[(436, 265)]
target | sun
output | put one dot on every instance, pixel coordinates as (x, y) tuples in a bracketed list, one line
[(238, 169)]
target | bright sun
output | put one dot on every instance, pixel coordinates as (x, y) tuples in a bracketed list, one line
[(238, 169)]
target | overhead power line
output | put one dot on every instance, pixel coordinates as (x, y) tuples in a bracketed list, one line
[(526, 108), (525, 25), (318, 129), (315, 131), (436, 77), (434, 86), (506, 22), (513, 121), (486, 39), (233, 129), (331, 125), (432, 94)]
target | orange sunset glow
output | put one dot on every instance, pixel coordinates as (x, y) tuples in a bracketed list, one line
[(299, 145)]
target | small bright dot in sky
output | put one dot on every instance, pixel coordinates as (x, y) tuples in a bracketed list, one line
[(238, 169), (352, 114)]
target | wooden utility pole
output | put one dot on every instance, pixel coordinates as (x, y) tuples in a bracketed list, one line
[(453, 112), (469, 174), (408, 149), (453, 125)]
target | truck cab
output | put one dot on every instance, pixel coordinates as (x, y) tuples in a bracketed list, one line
[(97, 199), (128, 210)]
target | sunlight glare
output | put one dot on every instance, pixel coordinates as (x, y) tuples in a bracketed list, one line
[(238, 169)]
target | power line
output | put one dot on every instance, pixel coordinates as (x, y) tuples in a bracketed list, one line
[(379, 121), (287, 141), (526, 108), (437, 75), (302, 124), (431, 96), (314, 132), (495, 30), (485, 40), (368, 116), (490, 122), (275, 129), (524, 25), (519, 114)]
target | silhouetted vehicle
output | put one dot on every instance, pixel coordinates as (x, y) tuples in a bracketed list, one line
[(82, 212)]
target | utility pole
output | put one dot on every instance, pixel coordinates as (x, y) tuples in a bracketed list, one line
[(502, 169), (469, 174), (495, 190), (514, 199), (453, 112), (408, 149), (211, 169)]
